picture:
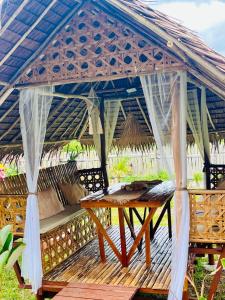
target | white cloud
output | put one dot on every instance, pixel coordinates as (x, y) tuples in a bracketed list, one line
[(197, 16)]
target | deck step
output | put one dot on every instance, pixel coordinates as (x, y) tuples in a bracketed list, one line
[(89, 291)]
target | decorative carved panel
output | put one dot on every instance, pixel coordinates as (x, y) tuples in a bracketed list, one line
[(94, 45), (92, 179)]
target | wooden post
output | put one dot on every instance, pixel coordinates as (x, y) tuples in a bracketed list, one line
[(103, 146), (122, 237)]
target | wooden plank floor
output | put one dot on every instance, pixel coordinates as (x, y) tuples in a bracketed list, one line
[(90, 291), (85, 266)]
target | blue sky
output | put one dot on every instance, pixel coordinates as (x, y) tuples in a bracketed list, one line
[(206, 17)]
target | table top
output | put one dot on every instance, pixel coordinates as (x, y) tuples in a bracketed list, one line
[(153, 197)]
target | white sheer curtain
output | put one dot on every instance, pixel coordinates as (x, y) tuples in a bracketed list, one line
[(204, 122), (34, 109), (95, 126), (112, 109), (194, 120), (111, 113), (166, 99)]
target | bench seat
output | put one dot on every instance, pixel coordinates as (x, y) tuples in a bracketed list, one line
[(70, 212)]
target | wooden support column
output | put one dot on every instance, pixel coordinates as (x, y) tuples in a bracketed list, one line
[(103, 145)]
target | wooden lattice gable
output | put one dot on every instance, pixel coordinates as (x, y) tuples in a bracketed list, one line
[(93, 46)]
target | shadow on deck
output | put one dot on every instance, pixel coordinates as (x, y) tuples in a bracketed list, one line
[(85, 265)]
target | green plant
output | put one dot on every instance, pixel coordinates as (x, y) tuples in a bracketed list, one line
[(10, 251), (121, 168), (201, 295), (74, 149), (163, 175), (197, 177), (11, 171)]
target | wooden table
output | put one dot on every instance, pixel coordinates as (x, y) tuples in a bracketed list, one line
[(153, 199), (81, 291)]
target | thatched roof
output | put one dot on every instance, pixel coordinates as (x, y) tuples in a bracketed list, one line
[(29, 27)]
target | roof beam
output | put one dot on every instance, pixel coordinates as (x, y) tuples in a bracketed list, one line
[(81, 112), (80, 126), (9, 110), (3, 82), (4, 92), (65, 120), (123, 111), (45, 43), (13, 17), (5, 95), (144, 116), (20, 41), (10, 128)]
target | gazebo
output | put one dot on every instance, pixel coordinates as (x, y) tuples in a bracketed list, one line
[(92, 70)]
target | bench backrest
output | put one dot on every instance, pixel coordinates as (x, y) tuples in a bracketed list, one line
[(48, 177), (91, 179), (214, 174)]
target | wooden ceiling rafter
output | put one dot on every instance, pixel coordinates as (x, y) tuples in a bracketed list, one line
[(4, 83), (83, 129), (31, 28), (13, 17), (144, 116), (81, 113), (13, 125), (5, 92), (9, 110), (70, 114)]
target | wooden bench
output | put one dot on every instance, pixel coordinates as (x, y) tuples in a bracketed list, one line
[(81, 291), (63, 234)]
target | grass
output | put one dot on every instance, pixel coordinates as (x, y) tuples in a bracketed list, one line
[(9, 288), (200, 273), (136, 221)]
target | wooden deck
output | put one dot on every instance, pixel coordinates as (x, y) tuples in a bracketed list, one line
[(85, 266)]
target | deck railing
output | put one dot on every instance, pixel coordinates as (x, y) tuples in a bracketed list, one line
[(207, 210)]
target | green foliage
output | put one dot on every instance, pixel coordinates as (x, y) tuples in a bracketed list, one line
[(9, 254), (11, 170), (162, 175), (200, 279), (74, 148), (9, 289), (198, 177), (223, 263), (121, 168)]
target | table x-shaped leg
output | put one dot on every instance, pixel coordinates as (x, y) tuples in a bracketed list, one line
[(123, 257)]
